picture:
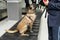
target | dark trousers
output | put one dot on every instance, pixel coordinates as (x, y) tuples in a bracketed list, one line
[(33, 1), (27, 3), (53, 33)]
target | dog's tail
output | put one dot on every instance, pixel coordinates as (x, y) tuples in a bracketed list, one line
[(11, 31)]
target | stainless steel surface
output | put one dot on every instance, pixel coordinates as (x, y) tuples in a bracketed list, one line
[(14, 9)]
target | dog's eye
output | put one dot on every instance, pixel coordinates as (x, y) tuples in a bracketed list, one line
[(30, 8)]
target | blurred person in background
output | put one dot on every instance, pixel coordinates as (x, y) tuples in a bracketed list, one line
[(27, 3)]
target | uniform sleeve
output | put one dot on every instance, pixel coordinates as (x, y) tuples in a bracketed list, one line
[(54, 5)]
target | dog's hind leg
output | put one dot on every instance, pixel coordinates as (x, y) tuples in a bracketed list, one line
[(24, 29), (23, 33)]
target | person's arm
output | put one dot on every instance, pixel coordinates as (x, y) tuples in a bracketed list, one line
[(52, 5)]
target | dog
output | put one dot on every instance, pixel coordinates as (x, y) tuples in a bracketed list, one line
[(28, 19)]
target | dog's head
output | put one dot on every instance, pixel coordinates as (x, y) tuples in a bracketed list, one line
[(32, 6), (31, 9)]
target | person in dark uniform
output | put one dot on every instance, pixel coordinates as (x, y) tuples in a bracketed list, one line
[(53, 8), (33, 1), (27, 3)]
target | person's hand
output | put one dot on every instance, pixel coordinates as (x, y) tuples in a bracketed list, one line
[(46, 2)]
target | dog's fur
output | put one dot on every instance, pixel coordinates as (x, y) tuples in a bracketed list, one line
[(28, 19)]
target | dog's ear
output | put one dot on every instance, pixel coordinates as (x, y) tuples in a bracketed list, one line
[(33, 6)]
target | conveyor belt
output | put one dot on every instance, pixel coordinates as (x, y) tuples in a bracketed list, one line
[(16, 36)]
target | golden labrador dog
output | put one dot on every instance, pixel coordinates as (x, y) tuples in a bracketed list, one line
[(28, 19)]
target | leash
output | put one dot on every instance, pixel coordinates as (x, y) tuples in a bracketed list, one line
[(46, 12), (29, 18)]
